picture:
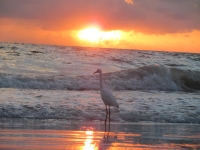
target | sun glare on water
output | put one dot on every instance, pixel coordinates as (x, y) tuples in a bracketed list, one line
[(95, 35)]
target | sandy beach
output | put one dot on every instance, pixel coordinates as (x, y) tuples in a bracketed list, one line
[(88, 135)]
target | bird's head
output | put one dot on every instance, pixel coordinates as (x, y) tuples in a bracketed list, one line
[(98, 71)]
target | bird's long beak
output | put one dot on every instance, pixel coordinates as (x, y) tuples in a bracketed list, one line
[(95, 72)]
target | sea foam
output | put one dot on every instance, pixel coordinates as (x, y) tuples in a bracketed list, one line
[(134, 106)]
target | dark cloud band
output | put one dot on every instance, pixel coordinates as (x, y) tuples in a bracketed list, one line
[(149, 16)]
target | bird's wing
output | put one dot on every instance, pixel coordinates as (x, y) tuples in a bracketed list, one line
[(108, 98)]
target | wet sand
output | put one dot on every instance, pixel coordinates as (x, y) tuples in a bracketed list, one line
[(88, 135)]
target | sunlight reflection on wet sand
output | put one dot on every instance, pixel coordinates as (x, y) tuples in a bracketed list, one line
[(55, 134), (86, 140)]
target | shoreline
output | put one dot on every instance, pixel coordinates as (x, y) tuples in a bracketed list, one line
[(89, 135), (62, 122)]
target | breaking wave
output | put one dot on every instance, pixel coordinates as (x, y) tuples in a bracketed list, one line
[(154, 77)]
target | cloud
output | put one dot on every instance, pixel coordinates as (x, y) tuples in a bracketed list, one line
[(147, 16), (129, 1)]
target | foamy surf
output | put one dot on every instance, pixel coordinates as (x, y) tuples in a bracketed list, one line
[(135, 106)]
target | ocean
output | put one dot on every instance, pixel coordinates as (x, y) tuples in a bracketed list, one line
[(57, 82)]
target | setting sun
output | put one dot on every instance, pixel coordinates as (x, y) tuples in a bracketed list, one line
[(89, 34), (95, 35)]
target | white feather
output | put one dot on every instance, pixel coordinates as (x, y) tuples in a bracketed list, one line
[(108, 98)]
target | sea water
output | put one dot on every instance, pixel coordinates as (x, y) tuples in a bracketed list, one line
[(57, 82)]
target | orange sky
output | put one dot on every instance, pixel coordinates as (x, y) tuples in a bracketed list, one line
[(143, 24)]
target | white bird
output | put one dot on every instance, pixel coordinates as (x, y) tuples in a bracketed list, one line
[(107, 97)]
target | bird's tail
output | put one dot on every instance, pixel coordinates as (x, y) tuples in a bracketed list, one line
[(117, 105)]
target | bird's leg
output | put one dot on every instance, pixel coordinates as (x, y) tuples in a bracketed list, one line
[(106, 117), (109, 120)]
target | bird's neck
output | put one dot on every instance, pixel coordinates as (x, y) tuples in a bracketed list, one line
[(101, 84)]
